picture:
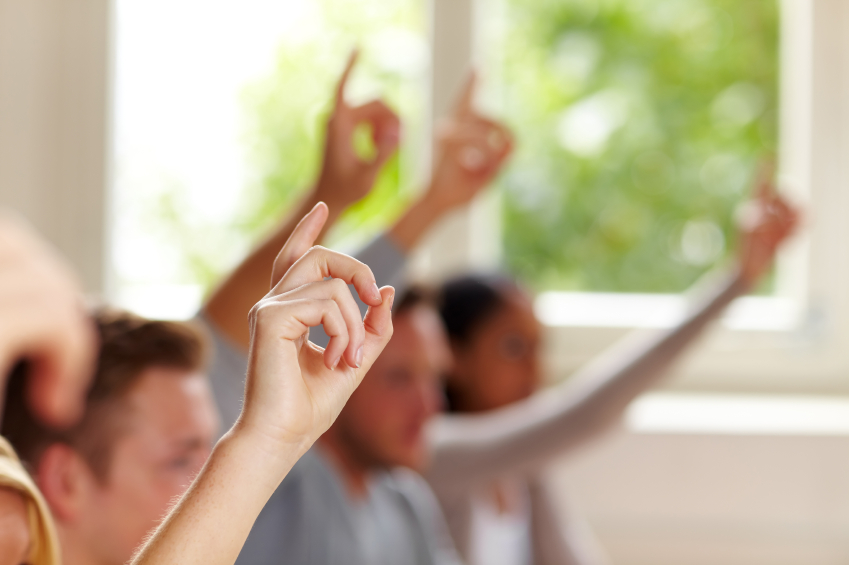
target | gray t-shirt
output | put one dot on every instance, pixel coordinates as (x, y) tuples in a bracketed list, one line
[(311, 519)]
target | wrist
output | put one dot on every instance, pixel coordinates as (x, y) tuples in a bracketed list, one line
[(269, 455)]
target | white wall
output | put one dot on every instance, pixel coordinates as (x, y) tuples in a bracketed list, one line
[(53, 127), (668, 499)]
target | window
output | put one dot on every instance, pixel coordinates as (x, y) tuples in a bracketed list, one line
[(218, 117), (639, 125), (660, 181)]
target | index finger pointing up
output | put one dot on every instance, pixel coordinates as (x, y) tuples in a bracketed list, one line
[(466, 102), (343, 80)]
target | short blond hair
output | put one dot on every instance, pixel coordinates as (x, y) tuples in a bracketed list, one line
[(44, 548)]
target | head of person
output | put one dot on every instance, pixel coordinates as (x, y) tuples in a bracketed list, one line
[(382, 425), (495, 341), (148, 428), (27, 534)]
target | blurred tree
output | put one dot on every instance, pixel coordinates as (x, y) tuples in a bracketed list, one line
[(639, 125)]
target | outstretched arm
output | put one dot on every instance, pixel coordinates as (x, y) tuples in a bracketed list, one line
[(519, 437), (294, 392), (344, 179)]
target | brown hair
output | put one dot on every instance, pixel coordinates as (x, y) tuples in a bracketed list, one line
[(129, 344)]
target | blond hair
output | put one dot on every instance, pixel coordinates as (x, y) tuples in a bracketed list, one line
[(44, 548)]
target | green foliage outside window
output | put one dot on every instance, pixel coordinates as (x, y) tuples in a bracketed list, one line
[(640, 124)]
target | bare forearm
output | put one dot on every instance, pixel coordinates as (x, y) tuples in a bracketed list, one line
[(415, 223), (229, 305), (210, 524)]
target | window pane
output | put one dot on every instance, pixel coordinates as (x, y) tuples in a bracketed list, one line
[(640, 124), (219, 112)]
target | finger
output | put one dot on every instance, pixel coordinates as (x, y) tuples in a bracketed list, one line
[(289, 320), (61, 369), (765, 189), (319, 263), (384, 121), (337, 291), (343, 80), (465, 103), (378, 328), (303, 237)]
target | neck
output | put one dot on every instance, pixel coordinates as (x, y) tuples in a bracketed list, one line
[(74, 549), (354, 470)]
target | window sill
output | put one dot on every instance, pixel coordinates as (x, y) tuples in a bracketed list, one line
[(633, 310)]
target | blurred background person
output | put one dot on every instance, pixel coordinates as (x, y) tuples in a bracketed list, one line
[(376, 513), (489, 450), (148, 427)]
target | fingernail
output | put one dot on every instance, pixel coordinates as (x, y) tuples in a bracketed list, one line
[(335, 364), (376, 292), (391, 300), (359, 359)]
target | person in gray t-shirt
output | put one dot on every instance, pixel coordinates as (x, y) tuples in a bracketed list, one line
[(345, 504)]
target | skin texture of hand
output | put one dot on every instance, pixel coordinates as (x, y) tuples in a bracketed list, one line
[(345, 176), (766, 222), (294, 392), (471, 151), (311, 385), (43, 321)]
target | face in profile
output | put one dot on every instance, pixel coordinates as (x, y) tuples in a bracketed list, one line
[(499, 363), (164, 436), (15, 536), (383, 422)]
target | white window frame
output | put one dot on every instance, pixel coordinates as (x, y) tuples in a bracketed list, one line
[(796, 341)]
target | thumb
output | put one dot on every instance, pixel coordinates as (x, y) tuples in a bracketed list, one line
[(378, 326)]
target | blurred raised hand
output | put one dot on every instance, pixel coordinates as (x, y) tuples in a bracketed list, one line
[(471, 150), (345, 176), (765, 223), (43, 322)]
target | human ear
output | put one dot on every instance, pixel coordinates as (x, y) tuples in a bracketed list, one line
[(64, 479)]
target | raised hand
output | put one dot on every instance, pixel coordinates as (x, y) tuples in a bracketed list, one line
[(295, 389), (765, 223), (471, 151), (346, 177), (43, 321)]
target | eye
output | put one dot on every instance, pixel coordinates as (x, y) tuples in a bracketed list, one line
[(514, 347), (179, 463)]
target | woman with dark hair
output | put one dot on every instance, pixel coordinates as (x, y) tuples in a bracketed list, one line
[(487, 452)]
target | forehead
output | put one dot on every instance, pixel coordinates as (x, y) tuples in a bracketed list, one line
[(518, 313), (170, 399)]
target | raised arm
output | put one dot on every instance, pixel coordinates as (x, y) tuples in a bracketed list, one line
[(519, 437), (294, 392), (344, 179)]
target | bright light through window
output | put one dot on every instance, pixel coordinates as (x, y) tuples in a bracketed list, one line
[(217, 125)]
